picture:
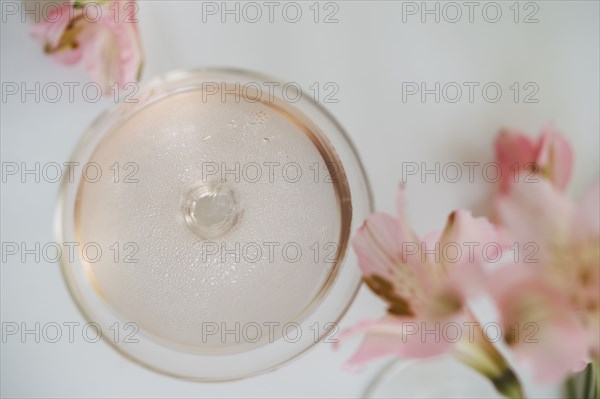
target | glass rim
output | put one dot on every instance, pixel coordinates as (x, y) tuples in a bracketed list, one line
[(98, 129)]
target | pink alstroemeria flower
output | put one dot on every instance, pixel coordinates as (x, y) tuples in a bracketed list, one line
[(521, 158), (107, 39), (551, 306), (426, 283)]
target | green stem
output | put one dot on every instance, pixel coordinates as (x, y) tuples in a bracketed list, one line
[(588, 386), (596, 368), (570, 388), (481, 355), (584, 384), (508, 384)]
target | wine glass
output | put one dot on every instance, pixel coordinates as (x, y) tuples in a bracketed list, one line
[(208, 218)]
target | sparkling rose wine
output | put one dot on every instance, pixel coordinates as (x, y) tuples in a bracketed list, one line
[(212, 225), (216, 210)]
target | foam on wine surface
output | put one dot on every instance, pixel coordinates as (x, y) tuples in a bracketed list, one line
[(193, 238)]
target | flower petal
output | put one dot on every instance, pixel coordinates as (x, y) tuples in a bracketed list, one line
[(538, 322), (537, 213), (397, 336), (387, 251), (554, 157), (469, 234), (587, 218), (49, 31), (101, 56), (59, 33), (514, 153), (113, 52)]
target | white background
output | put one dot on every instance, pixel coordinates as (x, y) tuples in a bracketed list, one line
[(368, 53)]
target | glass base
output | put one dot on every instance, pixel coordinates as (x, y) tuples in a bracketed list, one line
[(441, 377)]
